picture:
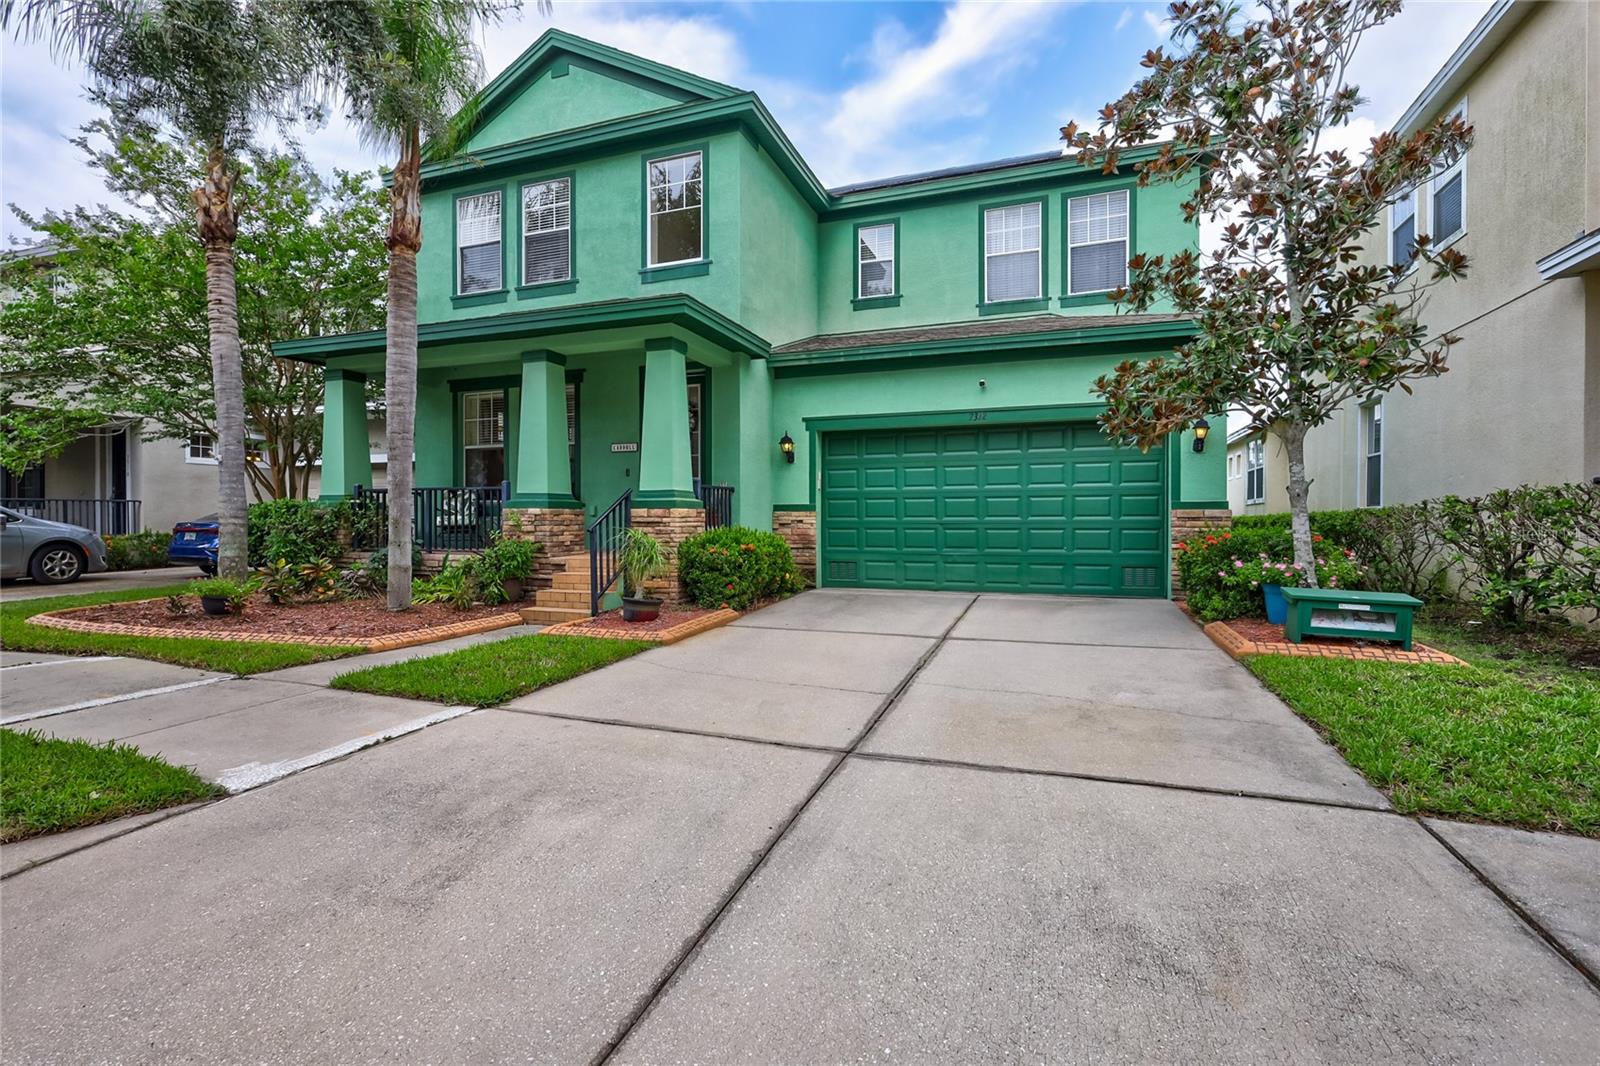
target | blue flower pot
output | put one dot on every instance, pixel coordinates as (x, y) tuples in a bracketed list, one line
[(1277, 606)]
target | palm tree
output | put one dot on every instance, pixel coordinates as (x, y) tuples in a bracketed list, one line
[(211, 69), (410, 82)]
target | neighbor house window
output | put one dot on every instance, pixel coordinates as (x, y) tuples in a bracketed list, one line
[(875, 261), (1447, 207), (1403, 229), (1097, 242), (483, 434), (676, 228), (547, 231), (1255, 471), (1012, 262), (1372, 456), (202, 448), (478, 258)]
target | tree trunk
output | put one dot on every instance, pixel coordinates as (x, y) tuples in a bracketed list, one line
[(217, 216), (400, 364), (1305, 557)]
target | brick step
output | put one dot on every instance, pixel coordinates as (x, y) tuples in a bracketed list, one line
[(561, 598), (570, 580), (573, 562), (544, 616)]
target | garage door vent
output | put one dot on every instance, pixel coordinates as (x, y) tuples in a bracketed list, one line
[(842, 571), (1139, 577)]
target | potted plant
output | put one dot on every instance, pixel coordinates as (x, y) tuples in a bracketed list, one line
[(505, 566), (220, 596), (640, 558)]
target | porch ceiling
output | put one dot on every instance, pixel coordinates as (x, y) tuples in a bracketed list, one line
[(608, 326)]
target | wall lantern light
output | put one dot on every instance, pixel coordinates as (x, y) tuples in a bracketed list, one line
[(1201, 429), (786, 446)]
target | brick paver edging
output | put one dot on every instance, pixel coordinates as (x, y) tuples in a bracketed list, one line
[(1238, 645), (670, 635), (388, 642)]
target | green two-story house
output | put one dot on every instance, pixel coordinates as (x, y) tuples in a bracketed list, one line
[(634, 293)]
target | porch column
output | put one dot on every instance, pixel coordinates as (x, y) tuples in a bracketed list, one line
[(346, 455), (544, 472), (758, 446), (666, 478)]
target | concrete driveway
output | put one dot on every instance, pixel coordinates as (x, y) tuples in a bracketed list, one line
[(854, 826), (108, 581)]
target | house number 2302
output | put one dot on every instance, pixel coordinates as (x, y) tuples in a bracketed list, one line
[(977, 416)]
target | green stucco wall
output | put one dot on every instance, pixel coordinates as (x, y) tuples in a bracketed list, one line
[(567, 94)]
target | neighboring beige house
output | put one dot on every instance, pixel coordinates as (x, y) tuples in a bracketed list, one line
[(1521, 402), (1257, 473)]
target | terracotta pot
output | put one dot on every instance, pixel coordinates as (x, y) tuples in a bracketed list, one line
[(640, 609), (214, 604), (514, 589)]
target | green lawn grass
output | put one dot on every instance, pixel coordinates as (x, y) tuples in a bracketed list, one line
[(494, 672), (1512, 738), (226, 656), (47, 785)]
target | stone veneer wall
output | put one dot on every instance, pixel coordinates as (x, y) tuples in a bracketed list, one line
[(671, 526), (559, 529), (799, 528), (1185, 524)]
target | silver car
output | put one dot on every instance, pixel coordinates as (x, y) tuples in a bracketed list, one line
[(51, 553)]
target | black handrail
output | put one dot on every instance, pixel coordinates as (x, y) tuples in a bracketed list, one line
[(446, 518), (719, 504), (604, 538), (106, 517)]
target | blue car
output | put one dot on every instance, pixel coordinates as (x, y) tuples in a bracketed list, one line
[(195, 544)]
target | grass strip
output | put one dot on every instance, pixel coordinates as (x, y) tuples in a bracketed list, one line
[(1511, 738), (49, 785), (493, 672), (225, 656)]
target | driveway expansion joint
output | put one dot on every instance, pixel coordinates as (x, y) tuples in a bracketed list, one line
[(651, 998)]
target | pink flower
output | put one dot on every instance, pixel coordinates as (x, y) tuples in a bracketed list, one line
[(1333, 582), (1221, 574), (1237, 565)]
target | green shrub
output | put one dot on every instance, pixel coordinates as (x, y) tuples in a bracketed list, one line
[(1528, 552), (1352, 529), (640, 558), (1222, 571), (296, 531), (452, 585), (735, 566), (505, 559), (137, 551), (237, 593)]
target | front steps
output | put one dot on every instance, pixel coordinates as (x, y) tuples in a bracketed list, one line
[(567, 598)]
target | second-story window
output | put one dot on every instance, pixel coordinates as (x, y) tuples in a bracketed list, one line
[(1011, 253), (478, 243), (547, 231), (1447, 209), (674, 199), (1403, 229), (1097, 242), (875, 261)]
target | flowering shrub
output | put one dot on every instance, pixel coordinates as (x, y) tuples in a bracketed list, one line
[(735, 566), (1223, 571), (137, 551)]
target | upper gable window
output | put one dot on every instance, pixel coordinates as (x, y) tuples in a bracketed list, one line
[(675, 226), (1403, 229), (1097, 242), (1012, 263), (478, 258), (1447, 208), (547, 231), (875, 261)]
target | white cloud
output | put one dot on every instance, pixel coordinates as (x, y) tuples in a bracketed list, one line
[(1123, 19), (1158, 25)]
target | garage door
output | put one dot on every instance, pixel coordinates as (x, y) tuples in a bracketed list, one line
[(1024, 508)]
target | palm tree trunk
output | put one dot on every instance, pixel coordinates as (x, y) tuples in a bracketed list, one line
[(218, 219), (1305, 556), (400, 364)]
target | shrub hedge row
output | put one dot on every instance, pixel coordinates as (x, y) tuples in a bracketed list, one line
[(737, 567)]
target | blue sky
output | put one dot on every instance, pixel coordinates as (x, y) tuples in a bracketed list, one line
[(864, 89)]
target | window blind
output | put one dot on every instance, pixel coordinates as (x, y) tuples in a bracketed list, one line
[(1011, 252), (478, 242), (1097, 242), (547, 231), (875, 256), (1447, 204)]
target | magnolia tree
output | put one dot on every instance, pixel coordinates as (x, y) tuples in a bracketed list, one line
[(1290, 326)]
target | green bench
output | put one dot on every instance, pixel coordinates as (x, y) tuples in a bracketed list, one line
[(1349, 613)]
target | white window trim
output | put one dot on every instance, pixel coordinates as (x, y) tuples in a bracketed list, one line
[(894, 261), (649, 232), (199, 460), (1259, 446), (1443, 177), (1363, 435), (1127, 243), (1415, 199), (1038, 262), (499, 242), (522, 193)]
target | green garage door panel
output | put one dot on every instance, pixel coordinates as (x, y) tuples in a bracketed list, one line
[(1024, 508)]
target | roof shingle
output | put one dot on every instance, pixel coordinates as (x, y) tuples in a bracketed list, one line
[(977, 329)]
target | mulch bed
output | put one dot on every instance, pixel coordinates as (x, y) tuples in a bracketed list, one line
[(1257, 636), (352, 620), (671, 626)]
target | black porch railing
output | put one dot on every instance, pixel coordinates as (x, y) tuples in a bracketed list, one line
[(452, 518), (106, 517), (719, 504), (604, 540)]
